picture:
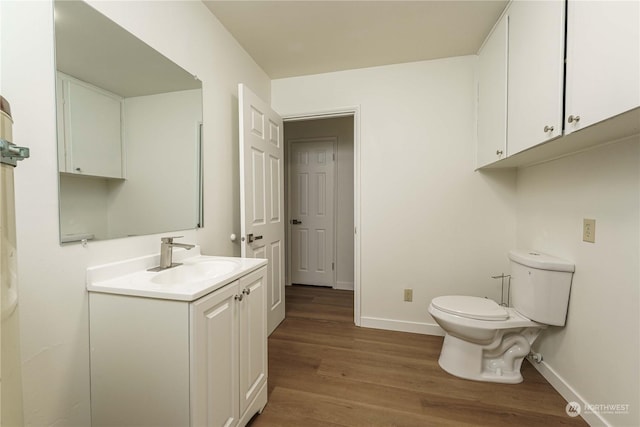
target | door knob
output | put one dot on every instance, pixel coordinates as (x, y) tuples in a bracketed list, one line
[(573, 118), (295, 222)]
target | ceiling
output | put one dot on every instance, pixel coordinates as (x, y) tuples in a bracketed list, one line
[(293, 38)]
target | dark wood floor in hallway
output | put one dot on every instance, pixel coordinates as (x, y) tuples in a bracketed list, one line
[(324, 371)]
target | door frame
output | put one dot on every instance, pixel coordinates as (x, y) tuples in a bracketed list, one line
[(289, 145), (351, 111)]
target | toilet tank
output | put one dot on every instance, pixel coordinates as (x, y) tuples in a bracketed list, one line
[(540, 286)]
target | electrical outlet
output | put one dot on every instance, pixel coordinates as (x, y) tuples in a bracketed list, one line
[(408, 295), (589, 230)]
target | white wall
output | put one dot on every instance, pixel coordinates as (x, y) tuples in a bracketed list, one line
[(83, 206), (428, 221), (160, 145), (342, 129), (597, 352), (53, 300)]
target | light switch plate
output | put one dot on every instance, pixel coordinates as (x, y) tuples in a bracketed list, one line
[(589, 230), (408, 295)]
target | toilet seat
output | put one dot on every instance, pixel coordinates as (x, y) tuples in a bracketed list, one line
[(470, 307)]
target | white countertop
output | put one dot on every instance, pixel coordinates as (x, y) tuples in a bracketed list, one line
[(130, 277)]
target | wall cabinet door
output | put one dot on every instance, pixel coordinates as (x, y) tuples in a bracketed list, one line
[(536, 73), (492, 96), (603, 61), (92, 123)]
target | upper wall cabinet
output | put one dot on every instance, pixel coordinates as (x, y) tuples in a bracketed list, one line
[(603, 61), (492, 96), (599, 84), (90, 135), (536, 72)]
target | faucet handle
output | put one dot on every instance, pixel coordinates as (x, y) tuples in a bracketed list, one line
[(169, 239)]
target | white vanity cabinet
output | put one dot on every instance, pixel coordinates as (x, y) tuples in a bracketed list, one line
[(492, 96), (163, 362), (603, 61), (536, 73), (89, 129)]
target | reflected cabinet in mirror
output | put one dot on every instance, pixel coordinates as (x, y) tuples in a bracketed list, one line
[(129, 132)]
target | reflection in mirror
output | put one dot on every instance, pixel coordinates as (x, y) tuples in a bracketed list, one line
[(129, 132)]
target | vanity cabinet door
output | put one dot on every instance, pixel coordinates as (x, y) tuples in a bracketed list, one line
[(214, 358), (253, 333), (603, 61), (92, 130), (492, 96), (536, 73), (229, 353)]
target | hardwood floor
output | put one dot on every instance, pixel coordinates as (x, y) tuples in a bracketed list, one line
[(324, 371)]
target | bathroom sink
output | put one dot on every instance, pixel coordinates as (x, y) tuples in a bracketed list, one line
[(197, 276), (195, 271)]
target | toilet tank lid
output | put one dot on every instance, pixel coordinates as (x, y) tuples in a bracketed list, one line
[(470, 307), (535, 259)]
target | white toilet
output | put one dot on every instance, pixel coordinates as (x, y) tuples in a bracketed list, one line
[(487, 342)]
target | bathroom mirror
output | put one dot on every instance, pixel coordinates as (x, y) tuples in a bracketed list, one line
[(129, 132)]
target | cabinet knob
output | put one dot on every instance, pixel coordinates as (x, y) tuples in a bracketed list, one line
[(573, 118), (246, 291), (78, 170), (239, 297), (499, 152), (548, 128)]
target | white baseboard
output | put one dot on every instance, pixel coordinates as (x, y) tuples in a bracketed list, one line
[(401, 326), (346, 286), (568, 393)]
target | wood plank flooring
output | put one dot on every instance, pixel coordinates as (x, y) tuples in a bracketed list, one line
[(324, 371)]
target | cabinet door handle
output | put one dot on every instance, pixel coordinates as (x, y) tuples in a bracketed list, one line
[(239, 297), (548, 128), (78, 170), (573, 118), (246, 291), (499, 152)]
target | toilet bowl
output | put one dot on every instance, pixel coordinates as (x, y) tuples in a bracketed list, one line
[(483, 341), (487, 342)]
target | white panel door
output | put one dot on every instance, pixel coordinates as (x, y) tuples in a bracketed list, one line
[(603, 61), (261, 194), (311, 209)]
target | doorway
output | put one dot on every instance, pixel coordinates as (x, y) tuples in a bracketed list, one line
[(319, 191)]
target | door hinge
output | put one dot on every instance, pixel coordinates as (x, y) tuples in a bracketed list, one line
[(333, 155), (333, 266)]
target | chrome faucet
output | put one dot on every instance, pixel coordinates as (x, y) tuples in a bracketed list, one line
[(166, 252)]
